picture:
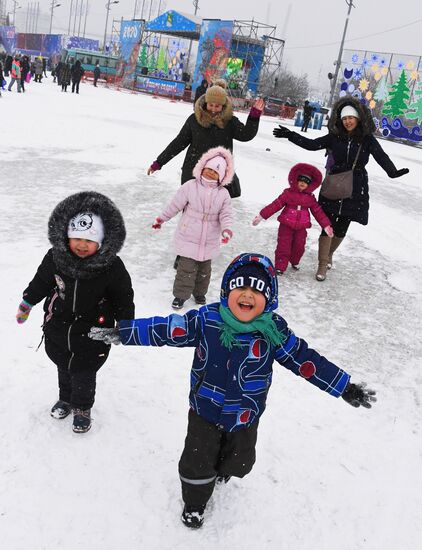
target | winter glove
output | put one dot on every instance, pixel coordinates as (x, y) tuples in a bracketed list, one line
[(227, 235), (153, 168), (24, 310), (281, 132), (400, 172), (329, 231), (257, 219), (158, 223), (106, 335), (357, 395)]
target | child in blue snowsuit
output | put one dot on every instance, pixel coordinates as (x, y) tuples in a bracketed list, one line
[(236, 342)]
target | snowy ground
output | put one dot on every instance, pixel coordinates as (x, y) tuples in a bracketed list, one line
[(327, 476)]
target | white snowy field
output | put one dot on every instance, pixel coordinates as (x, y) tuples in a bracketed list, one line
[(327, 476)]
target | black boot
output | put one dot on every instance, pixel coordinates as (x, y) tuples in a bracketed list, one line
[(81, 420), (177, 303), (193, 516), (61, 409), (200, 300)]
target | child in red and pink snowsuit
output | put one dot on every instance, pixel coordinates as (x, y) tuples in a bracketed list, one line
[(295, 203)]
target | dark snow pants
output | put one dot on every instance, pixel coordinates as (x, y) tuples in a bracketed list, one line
[(209, 452), (77, 373), (192, 278), (290, 246)]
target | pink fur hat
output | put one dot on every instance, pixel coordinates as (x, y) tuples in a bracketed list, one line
[(219, 159)]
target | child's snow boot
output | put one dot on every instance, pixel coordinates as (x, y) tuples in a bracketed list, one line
[(335, 243), (193, 516), (200, 300), (61, 409), (295, 267), (323, 253), (222, 479), (177, 303), (81, 420)]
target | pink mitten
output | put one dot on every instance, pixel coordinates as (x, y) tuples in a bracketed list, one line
[(24, 310), (158, 223), (257, 219), (329, 231), (227, 234)]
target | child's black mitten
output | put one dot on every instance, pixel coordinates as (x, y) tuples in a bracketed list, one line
[(107, 335), (358, 394)]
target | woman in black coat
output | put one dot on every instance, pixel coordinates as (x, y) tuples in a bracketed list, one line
[(77, 72), (200, 90), (212, 124), (350, 126)]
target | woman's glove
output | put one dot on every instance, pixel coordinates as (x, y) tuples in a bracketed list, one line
[(329, 231), (106, 335), (153, 168), (400, 172), (357, 395), (158, 223), (257, 219), (24, 310), (281, 131), (227, 234)]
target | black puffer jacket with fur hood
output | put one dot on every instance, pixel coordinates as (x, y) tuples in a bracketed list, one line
[(81, 293), (343, 149), (202, 131)]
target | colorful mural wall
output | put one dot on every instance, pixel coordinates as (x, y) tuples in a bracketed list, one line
[(213, 50), (130, 37), (164, 56), (390, 85)]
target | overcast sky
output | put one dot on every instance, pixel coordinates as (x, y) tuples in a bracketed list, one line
[(312, 29)]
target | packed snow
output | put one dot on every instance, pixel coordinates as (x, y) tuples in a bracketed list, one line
[(327, 476)]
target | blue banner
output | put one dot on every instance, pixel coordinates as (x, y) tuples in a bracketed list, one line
[(160, 86), (7, 39), (130, 39)]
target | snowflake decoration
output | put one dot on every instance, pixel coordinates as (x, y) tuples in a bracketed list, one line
[(372, 104), (363, 84), (374, 57), (377, 76), (374, 68), (384, 71), (410, 65), (365, 62), (400, 65), (355, 58), (382, 62), (414, 75), (358, 73), (368, 95)]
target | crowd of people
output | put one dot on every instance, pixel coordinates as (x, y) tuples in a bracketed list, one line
[(87, 289), (22, 69)]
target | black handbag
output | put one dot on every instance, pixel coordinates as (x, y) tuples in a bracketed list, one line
[(339, 186), (234, 187)]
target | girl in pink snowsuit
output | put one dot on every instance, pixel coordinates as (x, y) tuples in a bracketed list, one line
[(295, 203)]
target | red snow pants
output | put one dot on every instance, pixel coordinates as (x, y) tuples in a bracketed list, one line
[(290, 246)]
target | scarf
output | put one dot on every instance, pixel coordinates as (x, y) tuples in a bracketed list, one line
[(264, 324)]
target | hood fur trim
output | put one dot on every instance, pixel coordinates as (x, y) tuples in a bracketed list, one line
[(114, 234), (309, 170), (206, 120), (211, 153), (366, 125)]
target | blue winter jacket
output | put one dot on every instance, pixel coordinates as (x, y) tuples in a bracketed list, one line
[(229, 387)]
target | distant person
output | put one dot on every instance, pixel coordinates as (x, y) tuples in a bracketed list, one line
[(77, 72), (307, 115), (44, 67), (65, 76), (25, 70), (200, 90), (97, 73), (8, 65), (1, 77), (16, 74), (38, 69)]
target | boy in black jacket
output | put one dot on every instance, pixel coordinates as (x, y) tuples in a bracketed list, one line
[(84, 283)]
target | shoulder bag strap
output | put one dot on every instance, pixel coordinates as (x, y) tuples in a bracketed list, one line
[(357, 155)]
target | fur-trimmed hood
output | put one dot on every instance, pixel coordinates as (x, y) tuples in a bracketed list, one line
[(205, 119), (308, 170), (114, 234), (211, 153), (366, 125)]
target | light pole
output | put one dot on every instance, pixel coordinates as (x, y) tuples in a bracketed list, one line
[(15, 7), (196, 6), (340, 53), (53, 5), (106, 23)]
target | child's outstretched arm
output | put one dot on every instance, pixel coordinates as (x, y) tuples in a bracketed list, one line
[(270, 209), (298, 357), (174, 330), (177, 203), (38, 288)]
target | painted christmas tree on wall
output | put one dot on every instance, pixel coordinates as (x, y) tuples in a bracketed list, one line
[(398, 97), (416, 106)]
